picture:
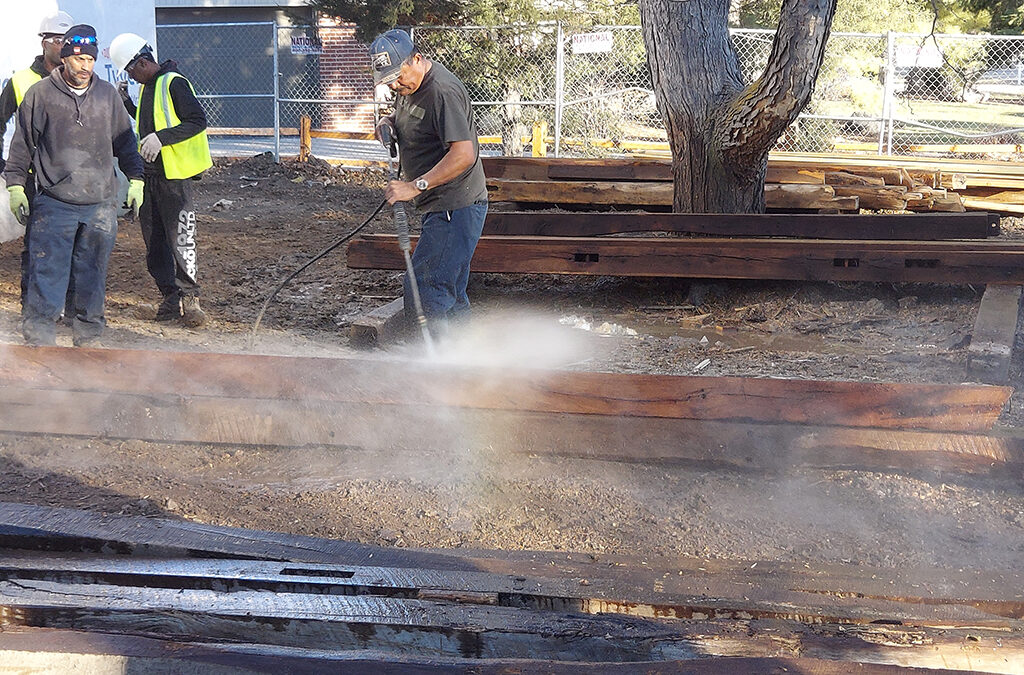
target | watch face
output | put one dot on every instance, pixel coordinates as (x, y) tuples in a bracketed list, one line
[(421, 184)]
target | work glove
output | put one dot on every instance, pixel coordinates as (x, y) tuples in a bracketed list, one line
[(134, 198), (19, 203), (150, 149)]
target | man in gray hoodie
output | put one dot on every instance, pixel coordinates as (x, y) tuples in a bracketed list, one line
[(71, 127)]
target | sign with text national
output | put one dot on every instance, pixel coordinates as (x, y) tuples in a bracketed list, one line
[(304, 44), (592, 43)]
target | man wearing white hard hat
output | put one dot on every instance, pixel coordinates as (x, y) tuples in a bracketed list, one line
[(51, 31), (172, 127)]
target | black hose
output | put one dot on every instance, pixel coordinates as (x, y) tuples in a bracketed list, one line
[(321, 254)]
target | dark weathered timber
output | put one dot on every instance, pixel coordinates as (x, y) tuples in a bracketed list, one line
[(348, 425), (811, 226), (711, 595), (995, 331), (380, 325), (409, 629), (540, 580), (25, 526), (36, 648), (718, 258), (164, 377)]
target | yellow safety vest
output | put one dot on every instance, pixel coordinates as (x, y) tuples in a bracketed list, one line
[(22, 80), (192, 155)]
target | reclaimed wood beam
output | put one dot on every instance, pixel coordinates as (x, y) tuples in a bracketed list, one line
[(806, 225), (733, 258), (289, 423), (995, 331), (379, 325), (438, 629), (820, 589), (192, 377), (639, 194), (56, 650)]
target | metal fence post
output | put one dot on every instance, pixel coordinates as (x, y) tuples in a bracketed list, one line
[(559, 87), (277, 98), (890, 89)]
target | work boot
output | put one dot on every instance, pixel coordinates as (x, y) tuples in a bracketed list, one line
[(89, 342), (170, 308), (192, 314)]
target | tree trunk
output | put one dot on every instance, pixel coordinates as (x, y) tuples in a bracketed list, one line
[(719, 129)]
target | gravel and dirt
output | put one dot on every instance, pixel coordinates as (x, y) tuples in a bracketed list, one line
[(259, 220)]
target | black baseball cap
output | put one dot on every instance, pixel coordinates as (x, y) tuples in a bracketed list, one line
[(387, 53)]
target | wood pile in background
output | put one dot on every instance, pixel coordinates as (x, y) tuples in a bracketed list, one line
[(794, 182)]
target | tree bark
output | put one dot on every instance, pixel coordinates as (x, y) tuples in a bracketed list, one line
[(719, 129)]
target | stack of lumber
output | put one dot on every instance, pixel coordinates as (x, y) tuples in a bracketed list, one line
[(894, 248), (981, 185), (793, 183)]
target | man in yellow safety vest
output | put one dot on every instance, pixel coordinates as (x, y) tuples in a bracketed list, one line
[(51, 30), (172, 125)]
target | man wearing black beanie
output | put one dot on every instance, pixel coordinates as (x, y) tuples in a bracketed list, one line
[(71, 127)]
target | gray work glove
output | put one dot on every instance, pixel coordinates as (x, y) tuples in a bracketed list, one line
[(150, 147)]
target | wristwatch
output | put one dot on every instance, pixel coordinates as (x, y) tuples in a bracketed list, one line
[(421, 184)]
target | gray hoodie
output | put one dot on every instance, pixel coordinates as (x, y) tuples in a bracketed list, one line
[(70, 141)]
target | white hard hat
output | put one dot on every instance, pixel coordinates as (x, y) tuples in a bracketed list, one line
[(56, 24), (126, 46)]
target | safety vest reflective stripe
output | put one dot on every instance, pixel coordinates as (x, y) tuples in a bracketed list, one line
[(22, 80), (192, 155)]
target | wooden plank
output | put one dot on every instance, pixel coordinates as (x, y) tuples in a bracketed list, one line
[(889, 197), (817, 226), (976, 204), (807, 197), (995, 194), (379, 326), (580, 192), (995, 330), (287, 423), (835, 178), (710, 599), (193, 377), (626, 585), (30, 527), (795, 259), (649, 194), (907, 161), (416, 628), (47, 650)]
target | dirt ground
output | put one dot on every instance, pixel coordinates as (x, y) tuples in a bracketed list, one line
[(258, 221)]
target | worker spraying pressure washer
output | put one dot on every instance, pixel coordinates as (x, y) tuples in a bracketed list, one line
[(440, 158)]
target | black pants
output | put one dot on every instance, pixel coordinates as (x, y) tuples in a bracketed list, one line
[(169, 230)]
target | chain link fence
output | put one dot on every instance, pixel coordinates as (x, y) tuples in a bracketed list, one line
[(590, 94), (509, 72), (232, 67)]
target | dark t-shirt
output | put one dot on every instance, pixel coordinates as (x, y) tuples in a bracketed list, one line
[(428, 121)]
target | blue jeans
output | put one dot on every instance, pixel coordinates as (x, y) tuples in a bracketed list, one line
[(66, 240), (441, 264)]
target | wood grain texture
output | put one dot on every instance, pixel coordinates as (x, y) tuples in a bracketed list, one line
[(811, 226), (995, 331), (165, 377), (733, 258)]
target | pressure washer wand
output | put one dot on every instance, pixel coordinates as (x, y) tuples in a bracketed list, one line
[(401, 218)]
